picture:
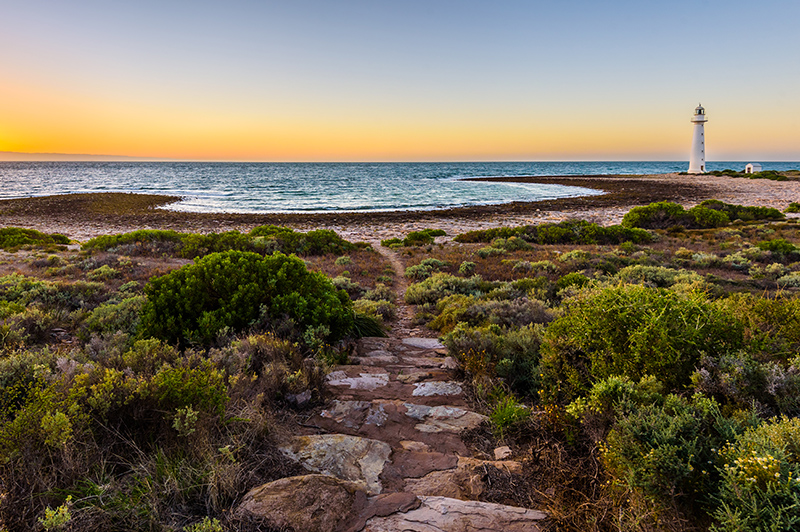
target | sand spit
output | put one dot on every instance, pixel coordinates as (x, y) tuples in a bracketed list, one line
[(83, 216)]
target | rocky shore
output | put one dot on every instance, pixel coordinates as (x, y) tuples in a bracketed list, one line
[(83, 216)]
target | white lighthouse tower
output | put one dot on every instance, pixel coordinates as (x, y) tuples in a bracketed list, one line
[(697, 159)]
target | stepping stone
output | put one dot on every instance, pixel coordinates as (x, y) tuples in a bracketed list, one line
[(365, 381), (442, 514), (424, 362), (416, 376), (443, 418), (376, 360), (424, 343), (427, 389), (350, 413), (465, 481), (359, 460), (311, 503)]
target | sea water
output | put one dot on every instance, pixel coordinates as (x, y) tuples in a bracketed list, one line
[(320, 187)]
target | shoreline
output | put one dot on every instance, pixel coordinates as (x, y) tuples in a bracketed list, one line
[(83, 216)]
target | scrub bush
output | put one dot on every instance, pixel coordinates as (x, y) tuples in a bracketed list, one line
[(415, 238), (12, 238), (441, 285), (760, 486), (740, 212), (634, 331), (263, 239), (566, 232), (236, 290)]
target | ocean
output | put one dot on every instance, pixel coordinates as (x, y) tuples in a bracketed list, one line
[(321, 187)]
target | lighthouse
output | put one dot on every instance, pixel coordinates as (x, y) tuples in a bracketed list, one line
[(697, 158)]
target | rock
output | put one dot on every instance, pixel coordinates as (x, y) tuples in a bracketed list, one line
[(311, 503), (466, 481), (359, 460), (365, 381), (353, 414), (442, 514), (424, 343), (416, 376), (427, 389), (299, 400), (443, 418), (416, 446), (502, 453), (384, 505), (423, 362), (376, 360)]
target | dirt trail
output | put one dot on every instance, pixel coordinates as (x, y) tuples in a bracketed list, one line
[(394, 428)]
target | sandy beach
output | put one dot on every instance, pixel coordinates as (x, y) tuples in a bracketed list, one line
[(83, 216)]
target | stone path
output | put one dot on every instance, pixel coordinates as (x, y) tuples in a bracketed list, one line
[(386, 455)]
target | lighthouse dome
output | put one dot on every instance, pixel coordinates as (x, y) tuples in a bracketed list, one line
[(699, 110)]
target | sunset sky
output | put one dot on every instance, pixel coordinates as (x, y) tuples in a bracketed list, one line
[(400, 81)]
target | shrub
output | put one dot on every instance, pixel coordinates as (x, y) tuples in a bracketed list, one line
[(237, 290), (759, 489), (506, 413), (12, 238), (113, 317), (490, 251), (740, 212), (441, 285), (382, 309), (634, 331), (424, 269), (512, 354), (660, 215), (566, 232), (793, 207), (353, 289), (705, 218), (466, 268), (780, 247), (663, 454), (263, 239), (344, 260), (381, 292), (657, 276), (415, 238)]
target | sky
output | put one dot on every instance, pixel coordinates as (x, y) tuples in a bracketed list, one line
[(408, 80)]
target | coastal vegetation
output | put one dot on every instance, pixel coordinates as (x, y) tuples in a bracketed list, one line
[(647, 373)]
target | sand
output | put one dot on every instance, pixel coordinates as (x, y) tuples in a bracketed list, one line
[(83, 216)]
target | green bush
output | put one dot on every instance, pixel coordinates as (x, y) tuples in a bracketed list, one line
[(113, 317), (441, 285), (779, 247), (467, 268), (793, 207), (740, 212), (566, 232), (760, 490), (663, 454), (634, 331), (237, 290), (415, 238), (12, 238), (710, 213), (263, 239)]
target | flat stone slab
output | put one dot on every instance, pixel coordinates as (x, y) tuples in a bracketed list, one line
[(365, 381), (415, 376), (359, 460), (443, 514), (443, 418), (427, 389), (424, 343), (376, 360), (424, 362), (465, 481), (353, 414), (311, 503)]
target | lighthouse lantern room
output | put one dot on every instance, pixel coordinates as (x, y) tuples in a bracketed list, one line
[(697, 158)]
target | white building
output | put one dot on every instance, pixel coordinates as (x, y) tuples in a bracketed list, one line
[(697, 157), (752, 168)]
